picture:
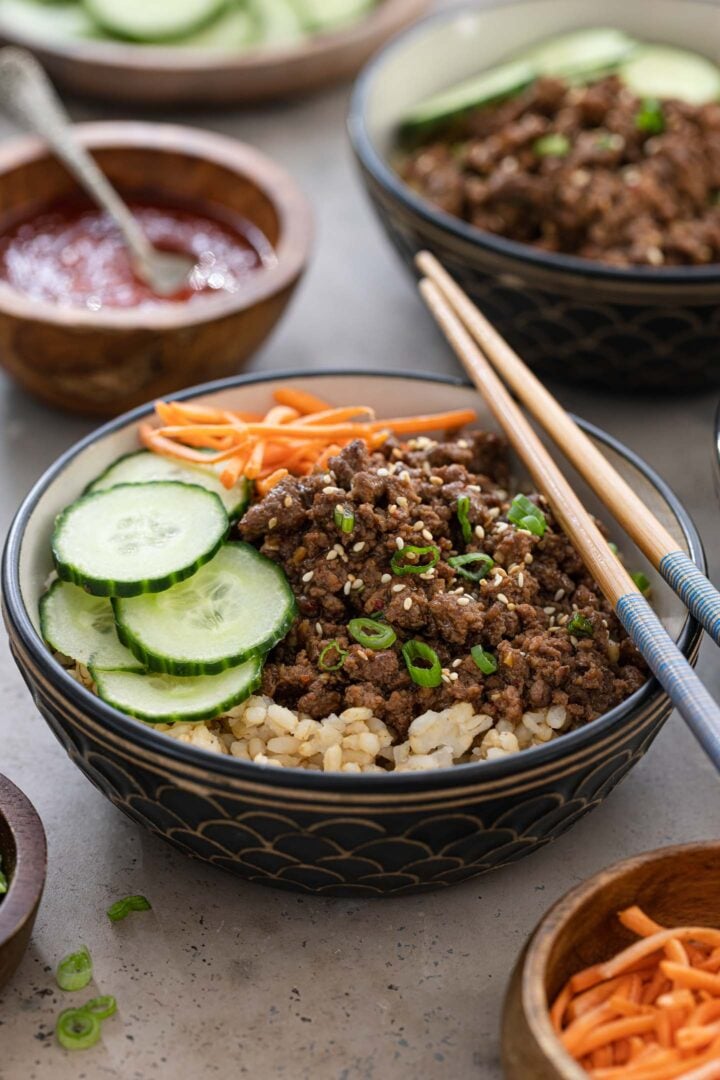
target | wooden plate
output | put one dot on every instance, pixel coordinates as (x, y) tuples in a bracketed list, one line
[(150, 75), (24, 859)]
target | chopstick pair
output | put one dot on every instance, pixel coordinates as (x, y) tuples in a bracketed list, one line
[(474, 339)]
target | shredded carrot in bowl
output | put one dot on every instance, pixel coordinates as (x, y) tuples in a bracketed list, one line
[(297, 435), (652, 1012)]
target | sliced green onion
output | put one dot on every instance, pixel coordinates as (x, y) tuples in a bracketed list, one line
[(77, 1029), (552, 145), (526, 515), (75, 971), (399, 566), (463, 508), (423, 663), (643, 582), (3, 883), (650, 117), (102, 1007), (462, 563), (344, 519), (371, 633), (579, 626), (614, 548), (332, 646), (122, 908), (483, 659)]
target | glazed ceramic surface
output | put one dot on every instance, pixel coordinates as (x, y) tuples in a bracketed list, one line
[(332, 833), (573, 319)]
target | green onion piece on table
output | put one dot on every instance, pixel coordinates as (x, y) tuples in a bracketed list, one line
[(344, 519), (552, 145), (463, 509), (77, 1029), (650, 118), (122, 908), (642, 581), (579, 626), (526, 515), (324, 661), (371, 633), (413, 554), (75, 971), (475, 565), (423, 663), (483, 659), (102, 1007)]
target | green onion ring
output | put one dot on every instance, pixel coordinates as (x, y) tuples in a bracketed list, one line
[(399, 567), (75, 971), (371, 633), (3, 883), (579, 626), (122, 908), (431, 673), (332, 646), (642, 581), (526, 515), (102, 1007), (77, 1029), (461, 562), (463, 508), (484, 660), (344, 519)]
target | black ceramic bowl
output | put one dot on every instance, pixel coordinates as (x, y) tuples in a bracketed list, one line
[(638, 329), (337, 834)]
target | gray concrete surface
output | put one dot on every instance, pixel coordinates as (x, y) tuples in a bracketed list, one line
[(225, 979)]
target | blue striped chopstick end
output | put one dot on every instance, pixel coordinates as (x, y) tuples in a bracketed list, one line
[(697, 593)]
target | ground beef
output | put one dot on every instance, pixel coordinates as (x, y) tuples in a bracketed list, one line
[(621, 194), (407, 496)]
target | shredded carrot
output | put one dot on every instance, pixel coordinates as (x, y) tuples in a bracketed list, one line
[(300, 433), (652, 1012)]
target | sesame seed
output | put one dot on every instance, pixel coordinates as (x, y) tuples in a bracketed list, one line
[(385, 578), (429, 574), (445, 679), (562, 619), (521, 579), (392, 509), (287, 501), (330, 489), (272, 523), (502, 598), (399, 543), (407, 603), (383, 472), (392, 467), (358, 583), (331, 555), (511, 606), (501, 526), (497, 580), (464, 601), (479, 532), (436, 481), (457, 663), (418, 526), (346, 587), (402, 501), (459, 592), (318, 628), (527, 559), (549, 610), (359, 546), (559, 595), (398, 588), (463, 443), (454, 676), (404, 475), (574, 640), (309, 576), (426, 535), (493, 512), (426, 468), (575, 607)]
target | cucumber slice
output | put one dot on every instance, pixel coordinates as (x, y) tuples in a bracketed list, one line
[(162, 699), (278, 21), (492, 85), (657, 71), (82, 627), (142, 466), (137, 538), (46, 22), (581, 52), (234, 29), (238, 605), (153, 20), (323, 15)]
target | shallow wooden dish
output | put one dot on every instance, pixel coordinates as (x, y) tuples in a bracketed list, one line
[(24, 860), (676, 886), (147, 75), (102, 363)]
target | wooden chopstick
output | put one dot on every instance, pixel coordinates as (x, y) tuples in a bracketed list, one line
[(680, 572), (661, 653)]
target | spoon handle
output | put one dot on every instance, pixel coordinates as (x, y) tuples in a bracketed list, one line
[(29, 97)]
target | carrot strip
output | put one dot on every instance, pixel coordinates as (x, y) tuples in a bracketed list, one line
[(649, 945), (334, 416), (301, 400), (269, 482), (635, 919), (415, 425), (280, 414)]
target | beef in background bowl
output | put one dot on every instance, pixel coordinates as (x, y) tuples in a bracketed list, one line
[(637, 328), (333, 833)]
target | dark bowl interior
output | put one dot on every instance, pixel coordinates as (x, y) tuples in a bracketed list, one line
[(24, 858)]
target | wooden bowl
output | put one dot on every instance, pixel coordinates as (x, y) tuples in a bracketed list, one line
[(146, 75), (677, 886), (102, 363), (24, 861)]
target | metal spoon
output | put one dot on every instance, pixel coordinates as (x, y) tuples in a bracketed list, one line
[(28, 96)]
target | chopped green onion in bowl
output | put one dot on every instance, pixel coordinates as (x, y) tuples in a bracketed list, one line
[(580, 626), (75, 970), (4, 884), (484, 660), (122, 908), (324, 661), (406, 560), (474, 565), (371, 633), (526, 515), (463, 509), (344, 518), (643, 582), (552, 145), (423, 663), (650, 118)]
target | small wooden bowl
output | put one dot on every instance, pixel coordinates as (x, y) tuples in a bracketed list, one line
[(24, 861), (677, 886), (103, 363)]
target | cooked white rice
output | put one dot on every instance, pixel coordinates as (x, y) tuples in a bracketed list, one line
[(260, 730)]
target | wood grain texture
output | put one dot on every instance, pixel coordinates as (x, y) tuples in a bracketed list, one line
[(102, 363), (24, 858), (147, 76), (675, 886)]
